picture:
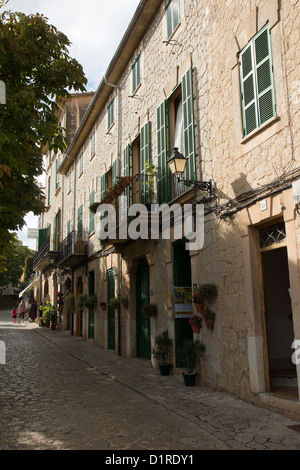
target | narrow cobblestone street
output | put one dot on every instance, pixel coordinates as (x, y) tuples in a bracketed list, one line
[(60, 393)]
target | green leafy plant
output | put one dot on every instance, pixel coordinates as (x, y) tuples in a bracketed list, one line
[(190, 354), (205, 293), (124, 301), (49, 313), (90, 302), (150, 310), (162, 349), (80, 302), (114, 302)]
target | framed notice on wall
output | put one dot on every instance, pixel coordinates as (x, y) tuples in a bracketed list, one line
[(183, 307)]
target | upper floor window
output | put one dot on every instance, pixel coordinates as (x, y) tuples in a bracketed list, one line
[(69, 182), (81, 164), (93, 144), (57, 175), (136, 72), (110, 114), (172, 16), (257, 82)]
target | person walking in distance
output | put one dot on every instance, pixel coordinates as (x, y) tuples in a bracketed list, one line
[(21, 310)]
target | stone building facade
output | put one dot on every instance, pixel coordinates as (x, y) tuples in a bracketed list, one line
[(219, 81)]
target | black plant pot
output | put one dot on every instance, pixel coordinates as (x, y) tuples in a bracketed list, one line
[(164, 369), (189, 379)]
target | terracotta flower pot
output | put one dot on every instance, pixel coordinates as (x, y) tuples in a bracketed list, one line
[(199, 307), (210, 324), (196, 328)]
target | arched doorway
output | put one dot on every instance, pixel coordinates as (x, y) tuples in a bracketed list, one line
[(79, 313), (46, 290), (67, 306), (143, 334)]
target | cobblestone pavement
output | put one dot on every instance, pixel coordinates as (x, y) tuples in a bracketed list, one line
[(58, 392)]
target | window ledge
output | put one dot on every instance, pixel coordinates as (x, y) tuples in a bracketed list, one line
[(260, 129)]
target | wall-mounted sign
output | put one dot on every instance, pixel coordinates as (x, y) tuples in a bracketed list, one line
[(2, 92), (33, 233)]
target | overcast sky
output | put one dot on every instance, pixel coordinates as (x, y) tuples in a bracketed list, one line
[(95, 29)]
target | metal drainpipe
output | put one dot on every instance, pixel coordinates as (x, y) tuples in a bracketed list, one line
[(118, 173)]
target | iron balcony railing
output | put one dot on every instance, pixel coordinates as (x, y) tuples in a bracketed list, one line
[(75, 244), (42, 252)]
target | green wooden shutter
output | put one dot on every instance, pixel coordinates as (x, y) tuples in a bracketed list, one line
[(248, 96), (163, 149), (188, 124), (68, 228), (54, 233), (114, 172), (80, 221), (145, 156), (91, 215), (264, 76), (104, 184), (257, 82), (43, 235), (127, 169)]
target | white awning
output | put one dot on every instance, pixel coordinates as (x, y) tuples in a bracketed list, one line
[(28, 287)]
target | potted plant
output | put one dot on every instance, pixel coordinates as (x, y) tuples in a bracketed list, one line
[(114, 302), (124, 301), (150, 310), (195, 322), (190, 355), (53, 317), (90, 302), (209, 318), (80, 301), (103, 305), (161, 352), (204, 293), (49, 315)]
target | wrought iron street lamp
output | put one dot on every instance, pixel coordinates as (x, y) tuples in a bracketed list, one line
[(177, 165)]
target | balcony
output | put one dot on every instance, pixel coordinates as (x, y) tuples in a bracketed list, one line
[(41, 260), (73, 250)]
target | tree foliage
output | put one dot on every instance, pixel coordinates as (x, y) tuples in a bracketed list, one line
[(38, 72), (12, 261)]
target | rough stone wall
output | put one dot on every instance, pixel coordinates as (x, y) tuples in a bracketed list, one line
[(209, 37)]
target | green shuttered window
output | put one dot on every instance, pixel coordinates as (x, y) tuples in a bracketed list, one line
[(188, 124), (80, 221), (145, 156), (257, 82), (163, 149), (136, 72), (172, 16), (127, 169), (91, 214)]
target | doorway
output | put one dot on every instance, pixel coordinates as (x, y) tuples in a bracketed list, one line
[(143, 335), (182, 276), (111, 341), (91, 314), (278, 317), (79, 313)]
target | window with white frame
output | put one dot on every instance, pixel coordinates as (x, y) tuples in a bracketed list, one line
[(136, 72), (257, 82), (172, 16)]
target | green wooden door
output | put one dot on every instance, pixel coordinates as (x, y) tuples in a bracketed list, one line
[(110, 310), (91, 329), (143, 338), (182, 278)]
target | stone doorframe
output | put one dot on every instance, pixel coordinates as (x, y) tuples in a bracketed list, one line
[(280, 206)]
